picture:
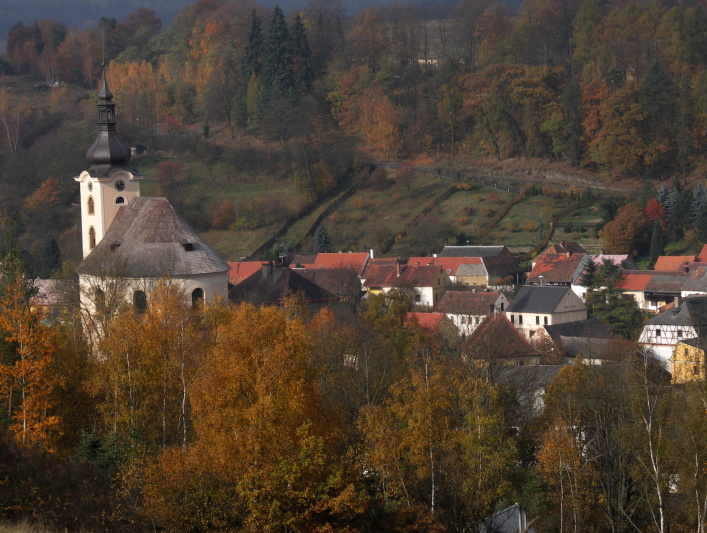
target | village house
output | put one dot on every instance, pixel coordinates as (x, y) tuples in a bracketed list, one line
[(355, 260), (428, 283), (683, 319), (466, 309), (688, 361), (496, 342), (438, 325), (536, 306), (271, 285), (650, 288), (557, 269), (499, 265), (624, 261), (589, 338)]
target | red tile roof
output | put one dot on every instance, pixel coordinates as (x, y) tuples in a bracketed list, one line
[(702, 256), (450, 264), (355, 260), (428, 321), (673, 263), (410, 275), (634, 280), (564, 247), (240, 270), (555, 268), (497, 338), (467, 303)]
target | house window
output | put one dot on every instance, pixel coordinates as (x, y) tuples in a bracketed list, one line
[(140, 300), (537, 320), (501, 306), (197, 298), (436, 297), (696, 370), (545, 320), (513, 319), (418, 298), (478, 319), (91, 238), (520, 319), (657, 333), (89, 203), (679, 333)]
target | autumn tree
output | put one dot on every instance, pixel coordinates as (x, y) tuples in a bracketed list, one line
[(379, 121), (28, 379), (627, 233)]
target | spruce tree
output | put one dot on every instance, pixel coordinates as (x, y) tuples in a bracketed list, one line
[(277, 59), (657, 242), (663, 194), (588, 278), (51, 257), (322, 241), (301, 58), (253, 57), (699, 199)]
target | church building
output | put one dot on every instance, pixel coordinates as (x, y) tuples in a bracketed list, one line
[(131, 242)]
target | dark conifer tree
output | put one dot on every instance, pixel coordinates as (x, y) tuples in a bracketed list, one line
[(277, 59), (322, 241), (301, 58), (658, 97), (657, 242), (253, 57), (51, 257)]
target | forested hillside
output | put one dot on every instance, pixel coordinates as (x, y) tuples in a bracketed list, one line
[(231, 94)]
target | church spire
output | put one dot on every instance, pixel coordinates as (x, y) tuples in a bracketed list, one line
[(107, 152)]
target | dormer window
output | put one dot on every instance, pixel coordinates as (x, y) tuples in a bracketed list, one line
[(188, 246)]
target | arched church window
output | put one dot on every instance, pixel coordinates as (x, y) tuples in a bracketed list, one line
[(91, 210), (120, 200), (100, 299), (140, 300), (197, 298), (91, 238)]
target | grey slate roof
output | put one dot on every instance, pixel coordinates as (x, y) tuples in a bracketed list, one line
[(697, 280), (533, 299), (691, 312), (149, 239), (470, 251), (592, 328), (471, 270)]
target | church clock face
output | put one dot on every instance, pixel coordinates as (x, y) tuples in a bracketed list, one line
[(119, 185)]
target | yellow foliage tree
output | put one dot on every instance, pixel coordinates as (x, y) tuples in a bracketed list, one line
[(28, 379)]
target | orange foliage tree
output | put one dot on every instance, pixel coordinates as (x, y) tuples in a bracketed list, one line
[(627, 232), (28, 380)]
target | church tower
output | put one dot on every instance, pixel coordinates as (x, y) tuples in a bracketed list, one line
[(109, 183)]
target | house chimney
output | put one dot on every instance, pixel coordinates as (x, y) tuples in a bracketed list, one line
[(370, 253), (397, 268), (568, 253), (276, 275), (434, 255), (265, 269)]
